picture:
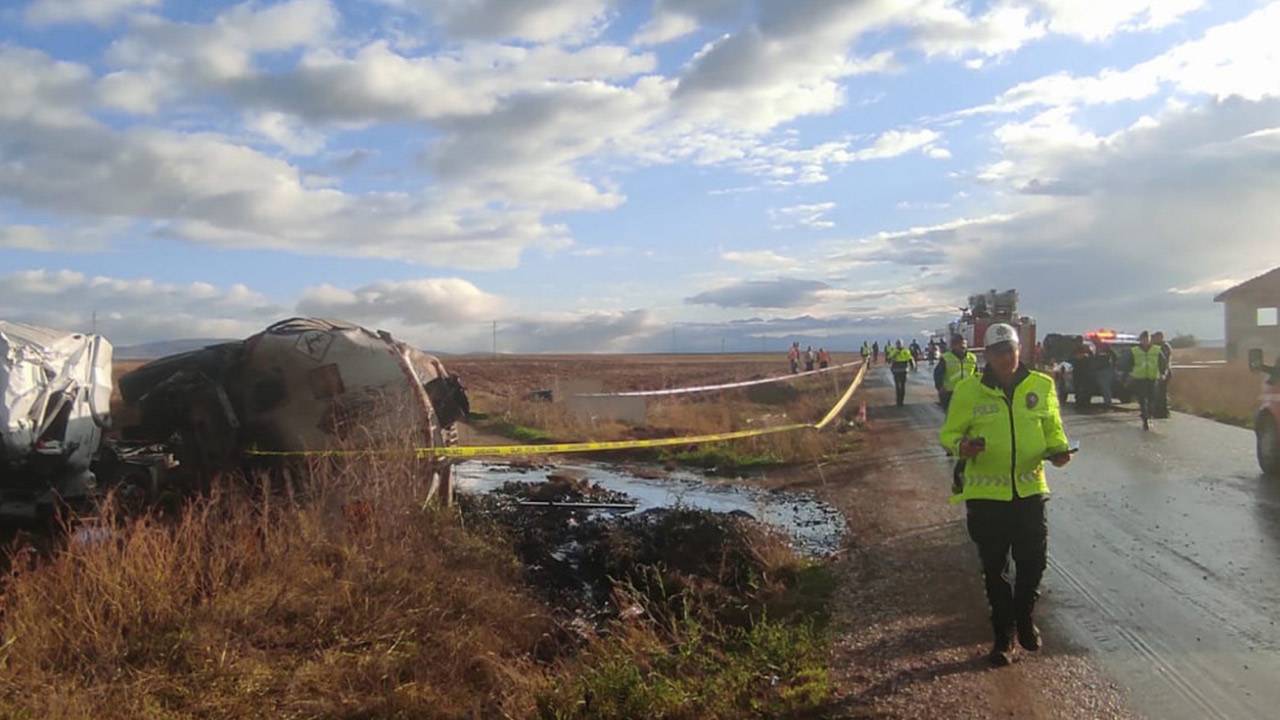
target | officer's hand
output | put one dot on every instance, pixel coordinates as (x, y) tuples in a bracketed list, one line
[(971, 448), (1060, 459)]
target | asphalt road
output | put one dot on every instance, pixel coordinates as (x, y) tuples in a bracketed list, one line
[(1165, 562)]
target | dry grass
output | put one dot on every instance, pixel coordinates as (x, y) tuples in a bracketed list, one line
[(355, 603), (805, 400), (1223, 392), (343, 595)]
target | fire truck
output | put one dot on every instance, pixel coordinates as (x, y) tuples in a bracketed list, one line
[(989, 308)]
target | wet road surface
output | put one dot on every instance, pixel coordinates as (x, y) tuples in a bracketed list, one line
[(1165, 557), (1165, 561)]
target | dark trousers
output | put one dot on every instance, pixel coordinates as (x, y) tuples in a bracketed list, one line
[(1144, 390), (1002, 528), (900, 384), (944, 397), (1160, 399)]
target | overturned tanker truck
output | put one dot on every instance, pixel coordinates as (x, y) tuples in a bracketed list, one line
[(302, 384)]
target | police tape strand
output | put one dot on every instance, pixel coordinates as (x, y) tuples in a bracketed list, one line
[(471, 451), (723, 386)]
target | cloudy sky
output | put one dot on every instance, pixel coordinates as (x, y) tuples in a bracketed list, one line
[(633, 174)]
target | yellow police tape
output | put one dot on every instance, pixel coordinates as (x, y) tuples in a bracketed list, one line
[(470, 451)]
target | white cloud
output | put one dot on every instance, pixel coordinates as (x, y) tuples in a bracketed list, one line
[(446, 301), (777, 293), (1137, 231), (438, 313), (945, 28), (672, 19), (665, 28), (98, 12), (535, 20), (1233, 59), (758, 258), (224, 48), (40, 89), (133, 310), (1097, 21), (286, 132), (593, 332), (378, 84), (813, 216), (1211, 286), (893, 143), (25, 237)]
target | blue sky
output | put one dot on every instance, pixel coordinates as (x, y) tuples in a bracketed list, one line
[(592, 173)]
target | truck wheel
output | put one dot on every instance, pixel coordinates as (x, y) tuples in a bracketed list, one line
[(1268, 446)]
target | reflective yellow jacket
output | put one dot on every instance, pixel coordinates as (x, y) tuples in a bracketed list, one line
[(1146, 363), (957, 369), (1020, 433)]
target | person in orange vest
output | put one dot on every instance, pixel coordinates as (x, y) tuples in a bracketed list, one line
[(824, 358)]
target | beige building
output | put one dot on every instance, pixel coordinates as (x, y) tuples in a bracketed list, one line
[(1252, 312)]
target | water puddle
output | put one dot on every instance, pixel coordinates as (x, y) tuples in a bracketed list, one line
[(815, 528)]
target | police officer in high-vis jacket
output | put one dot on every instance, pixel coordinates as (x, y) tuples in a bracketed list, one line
[(957, 364), (1147, 360), (1005, 423)]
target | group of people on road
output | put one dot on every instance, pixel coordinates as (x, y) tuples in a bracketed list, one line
[(1149, 365), (813, 360), (1002, 424), (871, 351)]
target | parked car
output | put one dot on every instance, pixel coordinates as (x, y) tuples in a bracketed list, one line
[(1266, 424), (1076, 362)]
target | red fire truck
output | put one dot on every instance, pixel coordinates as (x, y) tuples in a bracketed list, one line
[(986, 309)]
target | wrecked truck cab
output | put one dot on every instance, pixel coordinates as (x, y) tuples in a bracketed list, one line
[(56, 405), (303, 384)]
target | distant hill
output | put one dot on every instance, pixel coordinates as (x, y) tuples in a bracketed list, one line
[(152, 350)]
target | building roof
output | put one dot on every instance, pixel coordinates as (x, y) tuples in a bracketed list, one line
[(1268, 283)]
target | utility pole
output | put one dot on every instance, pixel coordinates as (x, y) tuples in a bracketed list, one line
[(673, 340), (722, 346), (495, 338)]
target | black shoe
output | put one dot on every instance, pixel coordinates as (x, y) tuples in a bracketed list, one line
[(1001, 653), (1028, 635)]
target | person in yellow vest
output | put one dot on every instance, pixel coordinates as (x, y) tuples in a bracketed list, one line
[(1005, 423), (900, 361), (957, 364), (1147, 359)]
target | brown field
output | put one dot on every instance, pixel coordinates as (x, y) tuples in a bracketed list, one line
[(499, 388), (1228, 393)]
